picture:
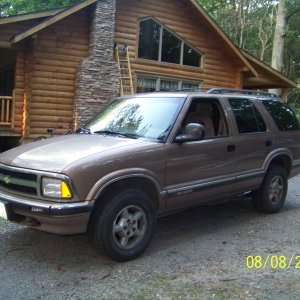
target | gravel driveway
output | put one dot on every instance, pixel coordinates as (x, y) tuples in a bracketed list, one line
[(197, 254)]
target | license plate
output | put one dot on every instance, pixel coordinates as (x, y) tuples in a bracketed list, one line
[(3, 211)]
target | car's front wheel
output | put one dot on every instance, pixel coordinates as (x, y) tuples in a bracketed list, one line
[(270, 197), (125, 225)]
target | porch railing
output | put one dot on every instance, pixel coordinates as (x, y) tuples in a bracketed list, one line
[(6, 110)]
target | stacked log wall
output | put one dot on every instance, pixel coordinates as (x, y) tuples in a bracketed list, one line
[(19, 92), (58, 50), (220, 68)]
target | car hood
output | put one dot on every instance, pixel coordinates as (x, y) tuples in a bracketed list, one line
[(55, 154)]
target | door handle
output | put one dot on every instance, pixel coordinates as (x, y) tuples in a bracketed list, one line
[(231, 148), (268, 143)]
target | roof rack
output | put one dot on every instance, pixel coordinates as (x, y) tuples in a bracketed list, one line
[(238, 91), (194, 89)]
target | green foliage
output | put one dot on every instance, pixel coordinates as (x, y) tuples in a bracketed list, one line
[(250, 24), (292, 52), (16, 7)]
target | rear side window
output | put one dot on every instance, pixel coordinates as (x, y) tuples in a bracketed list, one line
[(247, 116), (282, 114)]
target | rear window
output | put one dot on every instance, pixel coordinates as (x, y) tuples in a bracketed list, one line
[(247, 117), (282, 114)]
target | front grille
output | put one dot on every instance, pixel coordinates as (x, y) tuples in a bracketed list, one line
[(17, 181)]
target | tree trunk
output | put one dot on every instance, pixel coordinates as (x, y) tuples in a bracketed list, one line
[(279, 38)]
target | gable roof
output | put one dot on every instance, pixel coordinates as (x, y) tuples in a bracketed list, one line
[(254, 67), (279, 80), (56, 17), (30, 16), (72, 9)]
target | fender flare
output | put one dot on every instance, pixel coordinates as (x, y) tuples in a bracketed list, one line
[(276, 153), (116, 176)]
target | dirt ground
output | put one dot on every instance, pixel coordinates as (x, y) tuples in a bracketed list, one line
[(197, 254)]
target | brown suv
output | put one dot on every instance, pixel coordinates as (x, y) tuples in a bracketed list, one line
[(148, 155)]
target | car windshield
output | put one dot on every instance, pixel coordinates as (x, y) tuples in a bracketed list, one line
[(137, 117)]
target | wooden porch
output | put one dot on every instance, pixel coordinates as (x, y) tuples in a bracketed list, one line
[(6, 112), (8, 137)]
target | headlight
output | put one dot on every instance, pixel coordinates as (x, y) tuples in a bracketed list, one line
[(56, 188)]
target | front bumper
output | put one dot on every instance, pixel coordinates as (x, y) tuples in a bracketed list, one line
[(53, 217)]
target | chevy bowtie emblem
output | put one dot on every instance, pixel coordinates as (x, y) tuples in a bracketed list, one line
[(7, 179)]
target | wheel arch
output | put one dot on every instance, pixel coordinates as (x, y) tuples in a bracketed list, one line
[(281, 158), (113, 184)]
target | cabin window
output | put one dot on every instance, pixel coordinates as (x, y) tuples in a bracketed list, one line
[(149, 39), (158, 43), (190, 56), (190, 86), (168, 85), (171, 48), (147, 83)]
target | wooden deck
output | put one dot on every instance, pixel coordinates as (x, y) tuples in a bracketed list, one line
[(6, 111)]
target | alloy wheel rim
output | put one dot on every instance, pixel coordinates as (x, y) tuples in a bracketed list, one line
[(276, 189), (129, 227)]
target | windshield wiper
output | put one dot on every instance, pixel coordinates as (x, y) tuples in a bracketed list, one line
[(109, 132), (83, 130)]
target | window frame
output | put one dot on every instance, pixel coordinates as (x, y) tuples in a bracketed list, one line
[(159, 78), (183, 43)]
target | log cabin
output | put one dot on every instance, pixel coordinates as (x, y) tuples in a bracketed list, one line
[(60, 67)]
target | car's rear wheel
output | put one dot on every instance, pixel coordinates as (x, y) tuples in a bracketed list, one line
[(123, 228), (271, 196)]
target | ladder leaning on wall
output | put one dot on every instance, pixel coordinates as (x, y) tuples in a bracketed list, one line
[(123, 62)]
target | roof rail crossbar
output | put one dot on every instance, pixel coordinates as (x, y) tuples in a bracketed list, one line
[(239, 91)]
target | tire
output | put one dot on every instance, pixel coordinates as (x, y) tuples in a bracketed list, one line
[(124, 226), (270, 197)]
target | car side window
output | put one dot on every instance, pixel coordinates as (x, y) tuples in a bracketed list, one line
[(248, 118), (282, 114), (209, 114)]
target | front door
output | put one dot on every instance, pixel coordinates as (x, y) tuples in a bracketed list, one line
[(201, 170)]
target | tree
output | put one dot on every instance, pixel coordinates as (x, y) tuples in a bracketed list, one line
[(292, 41), (251, 26), (249, 23), (282, 31), (16, 7), (279, 37)]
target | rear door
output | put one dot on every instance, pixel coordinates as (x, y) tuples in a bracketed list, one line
[(253, 141)]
